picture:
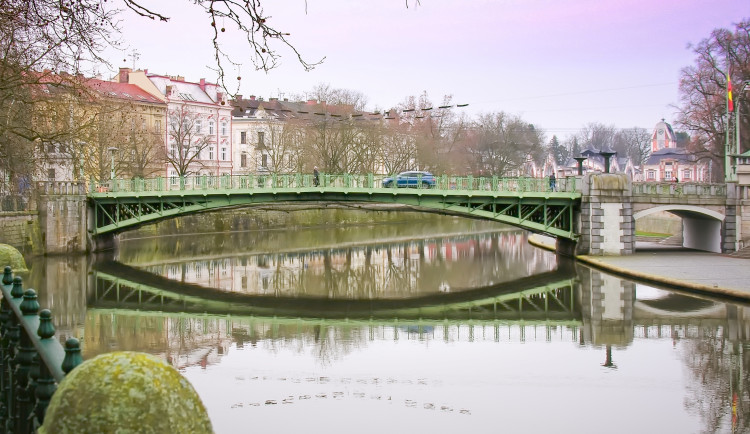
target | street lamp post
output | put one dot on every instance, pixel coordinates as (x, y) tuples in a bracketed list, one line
[(607, 155), (112, 151), (580, 161)]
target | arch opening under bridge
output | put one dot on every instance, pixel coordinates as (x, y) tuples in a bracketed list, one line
[(701, 227)]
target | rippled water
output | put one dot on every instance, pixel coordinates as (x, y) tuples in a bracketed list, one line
[(456, 326)]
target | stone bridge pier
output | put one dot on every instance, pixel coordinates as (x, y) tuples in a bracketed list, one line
[(605, 222), (611, 203), (63, 217)]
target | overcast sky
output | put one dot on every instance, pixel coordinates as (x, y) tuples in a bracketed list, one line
[(559, 64)]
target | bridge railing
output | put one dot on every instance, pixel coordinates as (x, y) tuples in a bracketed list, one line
[(681, 189), (32, 361), (275, 181)]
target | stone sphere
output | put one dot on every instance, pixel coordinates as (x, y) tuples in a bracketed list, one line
[(125, 392), (9, 255)]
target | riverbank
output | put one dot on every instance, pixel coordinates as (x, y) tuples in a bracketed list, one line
[(663, 265)]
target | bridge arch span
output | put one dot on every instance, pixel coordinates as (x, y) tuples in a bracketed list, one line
[(675, 209), (545, 212), (701, 226)]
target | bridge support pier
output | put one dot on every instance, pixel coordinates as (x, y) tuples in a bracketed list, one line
[(606, 218), (63, 218), (105, 242), (565, 247)]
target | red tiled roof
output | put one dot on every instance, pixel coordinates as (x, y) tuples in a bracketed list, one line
[(126, 91)]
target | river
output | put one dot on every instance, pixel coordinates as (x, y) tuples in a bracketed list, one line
[(442, 325)]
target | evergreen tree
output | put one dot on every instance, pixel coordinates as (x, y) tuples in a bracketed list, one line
[(560, 153)]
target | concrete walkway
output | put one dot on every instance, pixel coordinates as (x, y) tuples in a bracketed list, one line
[(702, 272)]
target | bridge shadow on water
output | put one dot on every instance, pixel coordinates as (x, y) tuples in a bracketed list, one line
[(541, 297)]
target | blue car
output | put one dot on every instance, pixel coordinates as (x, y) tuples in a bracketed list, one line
[(414, 179)]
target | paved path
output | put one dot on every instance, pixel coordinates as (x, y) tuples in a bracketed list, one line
[(704, 272)]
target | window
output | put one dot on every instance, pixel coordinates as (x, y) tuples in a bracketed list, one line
[(211, 153), (264, 160), (157, 126), (668, 175), (686, 174), (223, 154), (51, 148), (198, 126), (143, 125), (651, 175), (223, 128), (261, 136), (210, 127), (51, 174), (243, 137), (243, 160)]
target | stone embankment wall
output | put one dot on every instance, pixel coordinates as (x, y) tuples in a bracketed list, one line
[(660, 223), (21, 230)]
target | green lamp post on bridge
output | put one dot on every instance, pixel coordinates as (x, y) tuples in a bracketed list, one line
[(112, 151)]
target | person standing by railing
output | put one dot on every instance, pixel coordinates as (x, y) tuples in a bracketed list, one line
[(552, 182), (316, 176)]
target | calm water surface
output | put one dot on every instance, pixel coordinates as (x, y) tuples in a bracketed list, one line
[(454, 326)]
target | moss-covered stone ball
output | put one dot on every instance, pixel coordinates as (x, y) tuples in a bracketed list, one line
[(10, 256), (125, 392)]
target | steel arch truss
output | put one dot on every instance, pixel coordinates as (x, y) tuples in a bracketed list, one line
[(549, 213)]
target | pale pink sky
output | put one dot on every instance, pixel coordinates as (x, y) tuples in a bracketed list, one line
[(558, 64)]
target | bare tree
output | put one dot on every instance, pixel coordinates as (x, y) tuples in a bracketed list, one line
[(398, 148), (143, 151), (324, 93), (437, 130), (703, 91), (633, 142), (279, 151), (597, 136), (502, 143), (39, 41), (186, 141)]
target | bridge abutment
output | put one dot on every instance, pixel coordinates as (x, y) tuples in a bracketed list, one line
[(63, 215), (606, 223)]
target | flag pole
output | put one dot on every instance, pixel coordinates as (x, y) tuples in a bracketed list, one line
[(728, 172)]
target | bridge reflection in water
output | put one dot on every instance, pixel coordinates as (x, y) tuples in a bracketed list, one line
[(576, 309)]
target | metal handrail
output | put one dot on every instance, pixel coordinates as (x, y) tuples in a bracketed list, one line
[(277, 181), (32, 362)]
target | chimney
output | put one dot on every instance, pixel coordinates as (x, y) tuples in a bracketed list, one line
[(238, 97), (203, 84), (124, 74), (252, 97), (273, 99)]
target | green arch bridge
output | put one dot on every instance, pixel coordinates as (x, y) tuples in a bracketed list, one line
[(119, 205)]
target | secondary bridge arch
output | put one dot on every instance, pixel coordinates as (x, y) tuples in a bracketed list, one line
[(522, 202), (701, 225)]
